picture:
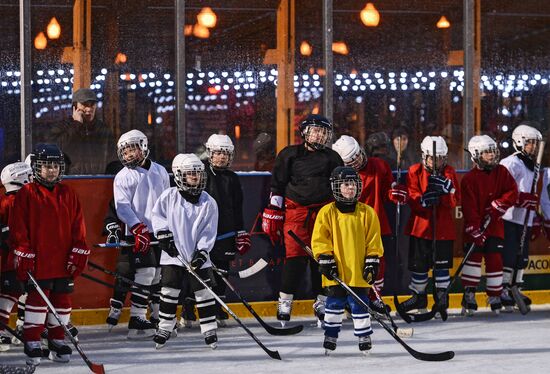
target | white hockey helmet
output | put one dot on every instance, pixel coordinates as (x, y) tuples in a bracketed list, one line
[(441, 151), (15, 175), (128, 144), (480, 144), (222, 144), (189, 173), (523, 134), (28, 159), (350, 151)]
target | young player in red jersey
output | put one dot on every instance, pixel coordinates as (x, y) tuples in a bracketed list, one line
[(48, 235), (488, 190)]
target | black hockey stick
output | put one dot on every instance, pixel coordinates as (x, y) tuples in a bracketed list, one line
[(442, 356), (272, 354), (95, 368), (402, 332), (270, 329), (117, 275), (516, 294)]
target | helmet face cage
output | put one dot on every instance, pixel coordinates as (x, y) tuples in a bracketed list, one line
[(477, 157), (346, 190), (220, 164), (357, 161), (133, 152), (440, 161), (41, 167), (317, 136), (520, 144), (192, 180)]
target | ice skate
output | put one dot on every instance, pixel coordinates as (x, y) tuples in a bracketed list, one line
[(19, 331), (33, 350), (507, 300), (161, 337), (284, 308), (140, 328), (329, 344), (365, 344), (5, 341), (59, 351), (495, 304), (211, 339), (469, 304), (114, 314), (417, 302)]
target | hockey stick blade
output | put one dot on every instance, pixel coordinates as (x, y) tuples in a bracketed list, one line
[(523, 308), (405, 332), (280, 331), (422, 356)]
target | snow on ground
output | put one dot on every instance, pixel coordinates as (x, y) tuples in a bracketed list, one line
[(484, 343)]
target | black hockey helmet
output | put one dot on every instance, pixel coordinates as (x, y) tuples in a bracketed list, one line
[(320, 123), (51, 157), (346, 184), (377, 141)]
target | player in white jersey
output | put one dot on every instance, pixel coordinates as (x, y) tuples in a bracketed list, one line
[(521, 166), (136, 189), (185, 220)]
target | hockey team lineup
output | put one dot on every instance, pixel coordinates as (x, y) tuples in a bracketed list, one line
[(176, 239)]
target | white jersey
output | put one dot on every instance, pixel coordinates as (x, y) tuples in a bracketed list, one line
[(544, 196), (136, 191), (194, 226), (524, 179)]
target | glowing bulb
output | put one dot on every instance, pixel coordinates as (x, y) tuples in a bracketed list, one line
[(305, 48), (340, 48), (201, 31), (40, 42), (443, 23), (370, 16), (54, 29), (207, 17)]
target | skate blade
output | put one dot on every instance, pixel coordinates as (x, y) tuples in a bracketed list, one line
[(328, 352), (15, 341), (140, 334), (59, 358), (187, 324), (110, 327), (33, 361), (159, 346), (405, 332), (508, 309), (221, 323), (467, 312), (366, 353), (213, 345), (496, 312), (174, 334)]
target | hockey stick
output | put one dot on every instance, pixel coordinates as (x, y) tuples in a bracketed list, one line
[(95, 368), (442, 356), (524, 308), (272, 354), (401, 332), (45, 351), (125, 244), (270, 329), (117, 275)]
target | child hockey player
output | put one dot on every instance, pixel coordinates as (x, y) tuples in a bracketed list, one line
[(521, 165), (185, 221), (299, 188), (13, 176), (346, 242), (431, 190), (224, 186), (488, 190), (376, 178), (48, 236), (136, 189)]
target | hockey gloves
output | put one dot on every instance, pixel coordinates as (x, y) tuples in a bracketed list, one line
[(113, 233), (398, 193), (199, 258), (242, 242), (429, 198), (496, 209), (142, 238), (327, 266), (439, 183), (370, 271), (477, 236), (537, 227), (272, 223), (77, 261), (166, 243), (527, 200), (24, 262)]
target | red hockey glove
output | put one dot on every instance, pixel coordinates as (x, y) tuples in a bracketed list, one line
[(142, 238), (546, 225), (477, 236), (398, 193), (496, 209), (242, 242), (370, 271), (24, 262), (77, 261), (527, 200), (272, 224)]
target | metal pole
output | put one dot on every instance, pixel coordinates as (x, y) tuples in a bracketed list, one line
[(25, 69), (180, 76), (327, 58)]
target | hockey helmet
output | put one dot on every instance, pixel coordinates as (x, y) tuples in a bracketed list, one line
[(376, 142), (346, 184), (15, 175), (350, 151), (217, 143), (480, 144), (48, 164), (132, 148), (189, 173), (316, 131), (441, 151), (524, 134)]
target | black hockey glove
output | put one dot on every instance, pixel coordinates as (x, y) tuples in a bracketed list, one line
[(113, 232), (166, 243), (199, 259), (440, 184), (430, 198), (327, 266), (370, 272)]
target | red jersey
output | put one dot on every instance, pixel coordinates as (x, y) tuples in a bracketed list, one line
[(419, 224), (479, 188), (49, 223), (6, 205), (377, 179)]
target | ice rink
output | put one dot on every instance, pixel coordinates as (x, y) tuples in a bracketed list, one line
[(484, 343)]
